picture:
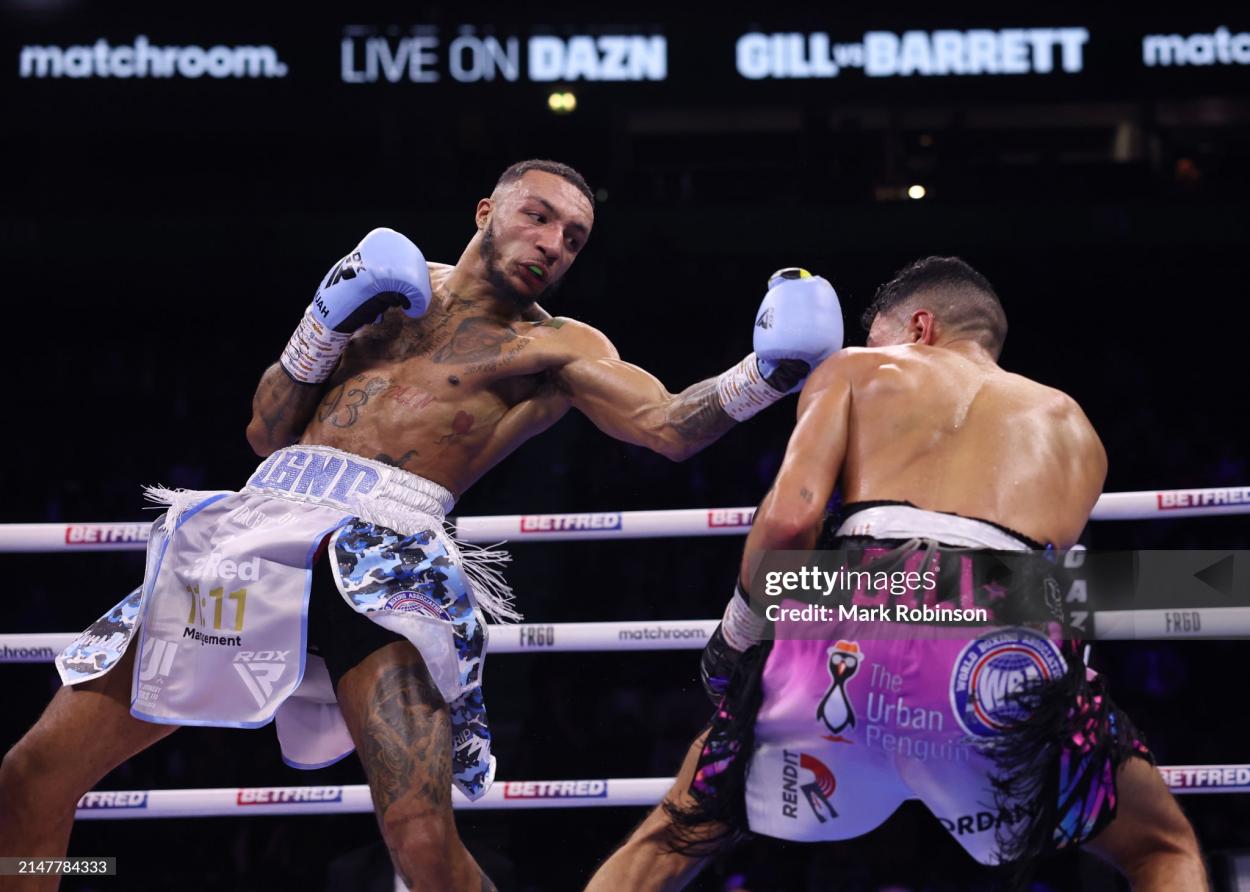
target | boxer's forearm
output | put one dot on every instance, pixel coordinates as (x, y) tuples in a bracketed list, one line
[(695, 419), (630, 404), (784, 521), (281, 409), (791, 515)]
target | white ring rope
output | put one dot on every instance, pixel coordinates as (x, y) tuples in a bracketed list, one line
[(592, 793), (663, 524), (587, 637), (692, 634)]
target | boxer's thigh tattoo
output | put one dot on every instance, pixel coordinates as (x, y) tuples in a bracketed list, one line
[(696, 414), (407, 739), (395, 862)]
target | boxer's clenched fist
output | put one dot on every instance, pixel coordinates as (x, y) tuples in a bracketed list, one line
[(385, 270), (798, 325)]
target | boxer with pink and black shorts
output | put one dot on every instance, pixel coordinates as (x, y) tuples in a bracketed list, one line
[(821, 732), (982, 721)]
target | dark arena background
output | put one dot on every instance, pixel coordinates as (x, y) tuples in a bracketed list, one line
[(164, 227)]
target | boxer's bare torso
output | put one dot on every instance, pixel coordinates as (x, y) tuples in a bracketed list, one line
[(446, 393), (449, 395), (923, 415), (948, 430)]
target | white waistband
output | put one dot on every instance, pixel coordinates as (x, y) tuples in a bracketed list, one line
[(371, 490), (908, 522)]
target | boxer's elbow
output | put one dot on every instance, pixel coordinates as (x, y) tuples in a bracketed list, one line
[(788, 526), (784, 533), (656, 428), (257, 439), (678, 444), (261, 439), (681, 428), (674, 449)]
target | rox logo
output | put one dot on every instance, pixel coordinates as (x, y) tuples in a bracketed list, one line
[(260, 671), (347, 268)]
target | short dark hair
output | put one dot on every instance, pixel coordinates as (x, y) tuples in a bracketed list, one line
[(521, 168), (963, 298)]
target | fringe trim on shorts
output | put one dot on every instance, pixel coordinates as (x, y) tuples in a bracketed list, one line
[(483, 565), (1056, 769), (176, 500), (718, 819)]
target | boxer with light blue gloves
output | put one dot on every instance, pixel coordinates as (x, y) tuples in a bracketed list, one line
[(404, 382)]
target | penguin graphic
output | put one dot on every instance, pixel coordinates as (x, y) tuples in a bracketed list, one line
[(835, 709)]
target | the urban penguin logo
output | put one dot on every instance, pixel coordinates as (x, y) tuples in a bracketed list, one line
[(835, 709)]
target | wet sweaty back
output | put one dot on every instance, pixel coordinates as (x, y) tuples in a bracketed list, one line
[(949, 432)]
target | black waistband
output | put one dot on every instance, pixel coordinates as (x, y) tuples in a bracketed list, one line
[(833, 521)]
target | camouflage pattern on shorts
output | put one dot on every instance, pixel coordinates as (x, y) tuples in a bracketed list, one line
[(98, 649), (380, 569)]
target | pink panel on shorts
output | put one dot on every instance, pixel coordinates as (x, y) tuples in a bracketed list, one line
[(871, 714)]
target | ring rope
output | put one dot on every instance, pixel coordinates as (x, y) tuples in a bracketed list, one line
[(586, 637), (590, 793), (661, 524), (692, 634)]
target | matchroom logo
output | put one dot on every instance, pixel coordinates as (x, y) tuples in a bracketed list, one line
[(143, 59)]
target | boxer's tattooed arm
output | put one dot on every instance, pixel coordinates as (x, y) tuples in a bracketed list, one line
[(696, 414), (281, 408)]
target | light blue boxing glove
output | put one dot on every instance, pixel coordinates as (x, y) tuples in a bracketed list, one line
[(798, 326), (800, 318), (385, 270)]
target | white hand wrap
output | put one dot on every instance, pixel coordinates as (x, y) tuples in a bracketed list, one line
[(741, 626), (313, 351), (743, 390)]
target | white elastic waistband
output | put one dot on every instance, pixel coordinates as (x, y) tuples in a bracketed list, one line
[(371, 490), (908, 522)]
